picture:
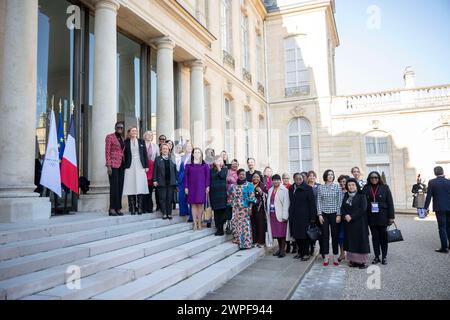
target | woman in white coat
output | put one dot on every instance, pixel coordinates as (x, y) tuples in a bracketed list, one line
[(278, 215)]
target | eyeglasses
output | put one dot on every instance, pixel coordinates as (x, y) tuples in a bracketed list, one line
[(119, 128), (374, 178)]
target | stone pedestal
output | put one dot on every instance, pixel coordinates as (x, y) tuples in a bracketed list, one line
[(18, 78)]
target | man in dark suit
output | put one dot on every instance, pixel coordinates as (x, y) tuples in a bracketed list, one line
[(439, 190), (251, 170)]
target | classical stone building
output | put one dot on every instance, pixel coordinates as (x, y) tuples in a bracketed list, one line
[(253, 77)]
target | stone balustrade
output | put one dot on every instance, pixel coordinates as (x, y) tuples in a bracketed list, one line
[(420, 97)]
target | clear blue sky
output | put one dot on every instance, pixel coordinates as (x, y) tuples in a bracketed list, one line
[(411, 32)]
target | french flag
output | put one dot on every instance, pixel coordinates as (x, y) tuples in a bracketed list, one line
[(69, 168)]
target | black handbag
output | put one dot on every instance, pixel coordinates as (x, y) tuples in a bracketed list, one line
[(394, 235), (314, 232)]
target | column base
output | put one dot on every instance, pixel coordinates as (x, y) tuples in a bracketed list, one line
[(94, 202), (23, 209)]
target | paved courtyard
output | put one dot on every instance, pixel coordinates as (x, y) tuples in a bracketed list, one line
[(414, 270)]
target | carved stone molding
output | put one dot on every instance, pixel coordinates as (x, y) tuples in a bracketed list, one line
[(375, 124), (297, 111), (444, 119)]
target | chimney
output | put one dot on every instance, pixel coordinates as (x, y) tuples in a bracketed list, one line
[(409, 77)]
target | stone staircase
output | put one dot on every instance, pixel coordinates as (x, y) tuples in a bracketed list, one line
[(128, 257)]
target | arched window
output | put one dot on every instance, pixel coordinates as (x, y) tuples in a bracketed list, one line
[(300, 146)]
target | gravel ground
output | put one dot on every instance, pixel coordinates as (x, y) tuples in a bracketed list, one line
[(414, 270)]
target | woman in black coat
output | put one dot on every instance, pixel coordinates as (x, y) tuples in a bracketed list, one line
[(302, 213), (258, 218), (380, 209), (218, 193), (356, 230)]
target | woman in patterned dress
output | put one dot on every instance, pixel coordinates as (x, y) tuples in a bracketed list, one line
[(242, 197)]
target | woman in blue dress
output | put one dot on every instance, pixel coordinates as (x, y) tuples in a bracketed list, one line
[(185, 208)]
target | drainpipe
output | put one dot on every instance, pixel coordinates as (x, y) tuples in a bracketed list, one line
[(266, 94)]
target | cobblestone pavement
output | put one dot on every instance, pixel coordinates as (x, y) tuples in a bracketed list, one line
[(414, 271)]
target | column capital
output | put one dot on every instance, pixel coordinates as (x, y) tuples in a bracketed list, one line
[(164, 43), (113, 5), (195, 64)]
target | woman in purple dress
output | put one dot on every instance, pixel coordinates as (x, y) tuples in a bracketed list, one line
[(196, 184)]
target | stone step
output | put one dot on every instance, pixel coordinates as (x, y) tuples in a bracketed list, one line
[(211, 278), (29, 247), (40, 261), (104, 281), (31, 283), (102, 246), (149, 264), (89, 286), (53, 227), (161, 279)]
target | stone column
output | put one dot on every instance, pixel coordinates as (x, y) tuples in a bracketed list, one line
[(18, 80), (104, 109), (197, 104), (165, 112)]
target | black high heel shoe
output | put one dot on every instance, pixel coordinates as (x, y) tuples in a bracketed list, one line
[(376, 260)]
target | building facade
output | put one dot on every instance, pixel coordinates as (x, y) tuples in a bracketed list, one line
[(255, 78)]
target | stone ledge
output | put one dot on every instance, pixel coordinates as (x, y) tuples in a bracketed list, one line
[(24, 209)]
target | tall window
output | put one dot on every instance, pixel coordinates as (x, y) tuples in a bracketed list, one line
[(259, 58), (55, 68), (376, 146), (300, 146), (377, 154), (229, 132), (296, 72), (247, 126), (262, 142), (225, 22), (128, 81), (245, 42), (207, 96), (441, 136)]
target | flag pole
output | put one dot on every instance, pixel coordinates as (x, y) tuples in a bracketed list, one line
[(51, 192)]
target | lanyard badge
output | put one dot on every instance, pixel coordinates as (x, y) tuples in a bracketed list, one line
[(374, 205)]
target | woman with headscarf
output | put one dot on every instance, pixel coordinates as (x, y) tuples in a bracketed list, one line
[(302, 213), (232, 178), (356, 230), (241, 200)]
